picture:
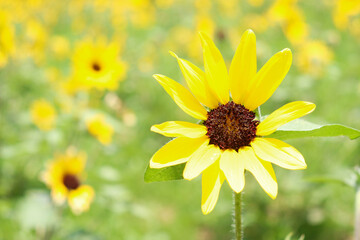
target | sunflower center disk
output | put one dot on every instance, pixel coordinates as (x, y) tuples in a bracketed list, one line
[(71, 182), (96, 66), (231, 126)]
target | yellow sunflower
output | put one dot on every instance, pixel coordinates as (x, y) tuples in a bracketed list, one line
[(96, 65), (229, 140), (63, 176)]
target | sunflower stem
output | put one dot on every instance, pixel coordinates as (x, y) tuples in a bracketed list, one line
[(238, 216), (357, 214)]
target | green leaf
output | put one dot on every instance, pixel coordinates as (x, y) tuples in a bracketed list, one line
[(164, 174), (325, 179), (300, 128)]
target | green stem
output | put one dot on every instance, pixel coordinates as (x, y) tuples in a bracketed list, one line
[(237, 217), (357, 214)]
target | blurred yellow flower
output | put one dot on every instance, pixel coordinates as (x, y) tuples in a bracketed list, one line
[(99, 128), (313, 56), (229, 140), (43, 114), (291, 19), (343, 10), (296, 30), (36, 39), (142, 13), (6, 38), (256, 3), (96, 65), (63, 176), (229, 8), (258, 22), (164, 4), (203, 23), (355, 28), (60, 46), (202, 6)]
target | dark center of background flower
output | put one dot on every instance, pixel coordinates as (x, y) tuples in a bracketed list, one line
[(71, 182), (96, 66), (231, 126)]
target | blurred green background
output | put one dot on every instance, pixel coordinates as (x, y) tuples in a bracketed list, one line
[(37, 44)]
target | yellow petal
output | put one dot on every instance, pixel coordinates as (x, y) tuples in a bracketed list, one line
[(176, 151), (74, 163), (215, 69), (195, 79), (182, 97), (212, 179), (200, 160), (284, 115), (179, 129), (59, 193), (262, 171), (268, 79), (279, 153), (81, 198), (243, 67), (232, 164)]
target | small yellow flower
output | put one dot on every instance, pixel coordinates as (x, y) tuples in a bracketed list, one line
[(256, 3), (99, 128), (229, 140), (43, 114), (36, 40), (313, 56), (96, 65), (63, 176), (7, 35), (291, 19), (142, 13), (60, 46), (344, 9)]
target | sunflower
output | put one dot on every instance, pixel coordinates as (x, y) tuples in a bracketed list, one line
[(229, 140), (63, 176), (96, 65)]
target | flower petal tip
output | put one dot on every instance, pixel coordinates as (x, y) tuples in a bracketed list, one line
[(187, 177), (205, 211), (156, 76), (153, 128), (273, 197), (238, 190), (173, 54), (286, 51), (250, 31), (313, 106)]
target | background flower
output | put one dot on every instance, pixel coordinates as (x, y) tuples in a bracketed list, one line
[(64, 176)]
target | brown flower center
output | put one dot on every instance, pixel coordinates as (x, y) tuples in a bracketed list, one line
[(71, 182), (231, 126), (96, 66)]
